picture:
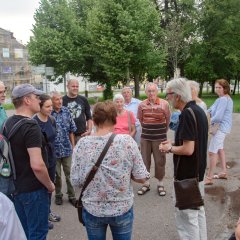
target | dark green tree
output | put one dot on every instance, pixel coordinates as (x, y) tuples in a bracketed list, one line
[(123, 39), (57, 38)]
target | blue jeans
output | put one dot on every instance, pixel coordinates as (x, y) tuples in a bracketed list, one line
[(32, 209), (121, 226)]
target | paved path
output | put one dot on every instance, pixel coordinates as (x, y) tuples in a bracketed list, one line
[(154, 215)]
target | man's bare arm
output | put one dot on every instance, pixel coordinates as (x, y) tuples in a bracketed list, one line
[(39, 168)]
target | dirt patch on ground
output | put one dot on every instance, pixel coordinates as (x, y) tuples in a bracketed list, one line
[(217, 193), (235, 201), (230, 164)]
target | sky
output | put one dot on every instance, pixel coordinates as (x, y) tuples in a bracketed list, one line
[(17, 16)]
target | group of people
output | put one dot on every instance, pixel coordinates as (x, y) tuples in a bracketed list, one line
[(58, 134), (41, 148)]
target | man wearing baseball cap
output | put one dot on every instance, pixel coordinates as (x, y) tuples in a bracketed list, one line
[(32, 180)]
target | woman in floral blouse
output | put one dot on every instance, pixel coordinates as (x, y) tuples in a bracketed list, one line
[(108, 199)]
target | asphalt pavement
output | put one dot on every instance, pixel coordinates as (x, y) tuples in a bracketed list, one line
[(154, 215)]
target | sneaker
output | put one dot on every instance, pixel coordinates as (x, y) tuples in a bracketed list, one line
[(58, 201), (50, 225), (54, 217), (72, 201)]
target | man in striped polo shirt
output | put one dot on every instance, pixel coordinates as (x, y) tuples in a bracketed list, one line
[(154, 116)]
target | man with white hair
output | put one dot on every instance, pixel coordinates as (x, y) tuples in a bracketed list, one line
[(131, 104), (64, 143), (3, 115), (189, 153), (154, 115)]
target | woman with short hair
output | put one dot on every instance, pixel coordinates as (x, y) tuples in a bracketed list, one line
[(125, 119), (108, 199), (195, 91)]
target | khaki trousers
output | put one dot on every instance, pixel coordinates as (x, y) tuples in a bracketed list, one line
[(152, 147), (65, 162)]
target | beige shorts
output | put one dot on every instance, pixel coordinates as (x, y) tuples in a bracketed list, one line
[(216, 142)]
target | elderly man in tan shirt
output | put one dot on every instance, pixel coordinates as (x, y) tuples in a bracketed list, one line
[(154, 116)]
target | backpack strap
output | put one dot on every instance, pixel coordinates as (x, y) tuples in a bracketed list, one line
[(8, 135)]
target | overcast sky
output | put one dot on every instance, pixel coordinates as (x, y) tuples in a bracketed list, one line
[(17, 17)]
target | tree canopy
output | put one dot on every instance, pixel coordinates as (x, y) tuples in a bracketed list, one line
[(108, 41)]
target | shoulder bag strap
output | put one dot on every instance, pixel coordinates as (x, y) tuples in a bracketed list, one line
[(196, 149), (129, 122), (96, 166)]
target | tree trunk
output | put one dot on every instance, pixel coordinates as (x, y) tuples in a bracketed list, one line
[(201, 89), (213, 86), (108, 93), (65, 83), (136, 85), (235, 87)]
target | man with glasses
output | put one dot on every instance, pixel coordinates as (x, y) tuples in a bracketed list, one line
[(3, 115), (154, 115), (189, 147), (32, 180)]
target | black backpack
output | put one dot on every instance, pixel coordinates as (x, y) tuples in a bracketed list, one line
[(7, 166)]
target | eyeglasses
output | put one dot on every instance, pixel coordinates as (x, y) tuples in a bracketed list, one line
[(170, 93)]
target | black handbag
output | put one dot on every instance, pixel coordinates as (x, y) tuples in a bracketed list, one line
[(90, 176), (188, 195)]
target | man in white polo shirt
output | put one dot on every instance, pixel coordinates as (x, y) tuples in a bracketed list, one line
[(132, 104)]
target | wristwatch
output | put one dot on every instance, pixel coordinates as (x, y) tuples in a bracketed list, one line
[(170, 149)]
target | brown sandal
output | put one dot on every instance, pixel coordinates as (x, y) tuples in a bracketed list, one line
[(208, 181), (143, 190), (221, 175)]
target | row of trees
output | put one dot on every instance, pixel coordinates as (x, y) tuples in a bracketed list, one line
[(111, 40)]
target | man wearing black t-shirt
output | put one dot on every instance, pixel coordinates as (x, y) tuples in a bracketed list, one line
[(191, 223), (32, 180), (79, 108)]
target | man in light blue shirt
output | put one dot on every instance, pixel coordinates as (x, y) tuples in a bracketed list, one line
[(131, 104), (3, 115)]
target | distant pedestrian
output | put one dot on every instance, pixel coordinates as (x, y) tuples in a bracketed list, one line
[(125, 119), (154, 115), (79, 109), (3, 115), (131, 104), (221, 118), (64, 144)]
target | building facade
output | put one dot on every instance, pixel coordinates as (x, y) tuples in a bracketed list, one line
[(14, 65)]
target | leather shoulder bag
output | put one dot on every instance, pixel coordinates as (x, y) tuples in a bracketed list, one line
[(90, 176), (187, 191)]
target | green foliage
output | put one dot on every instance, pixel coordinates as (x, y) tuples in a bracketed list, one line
[(8, 106), (123, 38), (57, 37)]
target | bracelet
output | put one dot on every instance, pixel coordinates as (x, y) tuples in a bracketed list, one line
[(170, 150)]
